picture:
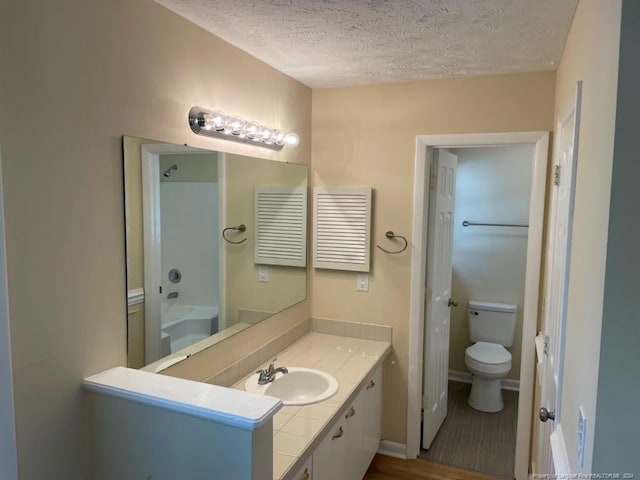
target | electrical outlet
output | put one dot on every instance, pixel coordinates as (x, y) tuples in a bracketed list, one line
[(581, 434), (263, 273), (363, 282)]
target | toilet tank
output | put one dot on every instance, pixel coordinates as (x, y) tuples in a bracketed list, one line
[(492, 322)]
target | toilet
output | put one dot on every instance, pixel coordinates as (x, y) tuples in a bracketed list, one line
[(491, 328)]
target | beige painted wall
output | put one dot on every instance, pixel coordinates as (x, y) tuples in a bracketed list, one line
[(591, 54), (366, 136), (286, 285), (489, 263), (86, 74)]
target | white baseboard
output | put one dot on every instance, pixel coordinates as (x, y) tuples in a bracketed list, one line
[(466, 377), (393, 449)]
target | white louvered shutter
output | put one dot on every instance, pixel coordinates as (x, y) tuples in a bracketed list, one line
[(281, 226), (341, 227)]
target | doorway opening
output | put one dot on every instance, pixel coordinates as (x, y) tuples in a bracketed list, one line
[(182, 213), (424, 227), (476, 262)]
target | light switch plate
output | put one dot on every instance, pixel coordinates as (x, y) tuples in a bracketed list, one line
[(363, 282), (581, 434), (263, 273)]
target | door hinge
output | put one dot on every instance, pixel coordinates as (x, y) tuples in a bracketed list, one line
[(556, 175), (546, 344), (433, 181)]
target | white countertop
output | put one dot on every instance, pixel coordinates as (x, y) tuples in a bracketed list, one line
[(218, 404), (297, 430)]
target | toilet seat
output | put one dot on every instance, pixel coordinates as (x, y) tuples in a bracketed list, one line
[(489, 358)]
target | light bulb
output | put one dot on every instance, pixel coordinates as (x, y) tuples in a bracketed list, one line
[(218, 119), (291, 139), (267, 135), (252, 130), (206, 120), (278, 137), (235, 125)]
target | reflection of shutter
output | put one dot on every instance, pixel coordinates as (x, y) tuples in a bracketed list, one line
[(281, 226), (341, 227)]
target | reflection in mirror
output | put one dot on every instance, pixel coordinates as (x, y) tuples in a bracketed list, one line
[(216, 242)]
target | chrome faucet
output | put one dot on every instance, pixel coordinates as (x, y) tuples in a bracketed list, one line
[(268, 375)]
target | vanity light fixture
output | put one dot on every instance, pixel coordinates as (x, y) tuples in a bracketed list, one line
[(216, 124)]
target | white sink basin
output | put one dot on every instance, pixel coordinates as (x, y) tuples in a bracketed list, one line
[(301, 386)]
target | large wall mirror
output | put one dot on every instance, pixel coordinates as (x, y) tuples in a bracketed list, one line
[(216, 242)]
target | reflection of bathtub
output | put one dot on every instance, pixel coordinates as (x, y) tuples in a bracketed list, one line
[(183, 325)]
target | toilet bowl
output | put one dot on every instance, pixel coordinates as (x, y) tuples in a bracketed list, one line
[(488, 363), (492, 327)]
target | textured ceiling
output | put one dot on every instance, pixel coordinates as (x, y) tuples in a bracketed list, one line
[(329, 43)]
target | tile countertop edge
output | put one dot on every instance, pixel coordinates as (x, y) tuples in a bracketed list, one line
[(210, 402), (304, 455)]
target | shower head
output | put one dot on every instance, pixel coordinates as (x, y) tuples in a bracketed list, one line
[(167, 172)]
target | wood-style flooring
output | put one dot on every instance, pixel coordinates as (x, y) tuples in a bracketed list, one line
[(388, 468), (473, 440)]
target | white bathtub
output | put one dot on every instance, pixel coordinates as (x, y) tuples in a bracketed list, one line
[(183, 325)]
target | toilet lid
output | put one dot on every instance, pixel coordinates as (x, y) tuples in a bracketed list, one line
[(489, 353)]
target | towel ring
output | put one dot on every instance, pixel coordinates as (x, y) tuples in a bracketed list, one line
[(240, 228), (390, 235)]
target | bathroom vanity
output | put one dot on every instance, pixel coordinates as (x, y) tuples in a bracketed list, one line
[(336, 438), (157, 427)]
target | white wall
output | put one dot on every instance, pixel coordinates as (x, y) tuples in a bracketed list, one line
[(189, 236), (489, 263)]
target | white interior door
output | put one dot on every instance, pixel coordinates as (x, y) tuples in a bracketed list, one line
[(152, 253), (551, 454), (438, 293)]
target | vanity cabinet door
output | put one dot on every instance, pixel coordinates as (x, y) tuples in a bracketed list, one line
[(373, 414), (329, 455), (305, 472), (355, 457)]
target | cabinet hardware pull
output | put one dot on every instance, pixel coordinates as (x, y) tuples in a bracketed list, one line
[(350, 413), (371, 385), (305, 475), (339, 434)]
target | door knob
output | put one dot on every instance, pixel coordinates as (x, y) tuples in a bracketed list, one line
[(452, 302), (546, 415)]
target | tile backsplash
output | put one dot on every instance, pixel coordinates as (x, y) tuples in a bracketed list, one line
[(366, 331), (240, 369)]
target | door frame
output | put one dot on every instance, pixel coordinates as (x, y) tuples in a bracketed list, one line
[(8, 449), (556, 442), (424, 148), (150, 154)]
